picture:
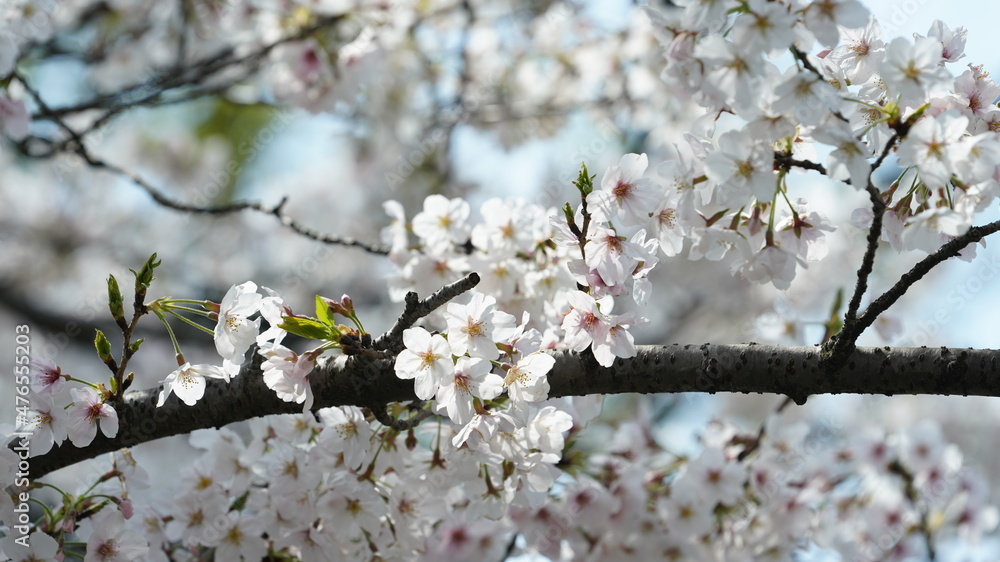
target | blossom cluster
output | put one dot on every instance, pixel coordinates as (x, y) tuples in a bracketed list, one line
[(860, 97), (501, 459), (339, 485)]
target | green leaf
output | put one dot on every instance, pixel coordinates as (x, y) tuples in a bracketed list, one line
[(323, 311), (134, 346), (309, 328), (103, 346), (115, 301), (568, 213), (144, 277), (585, 182)]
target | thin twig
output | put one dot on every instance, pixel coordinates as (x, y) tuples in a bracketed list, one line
[(785, 160), (195, 73), (840, 345), (949, 250), (79, 148), (415, 309)]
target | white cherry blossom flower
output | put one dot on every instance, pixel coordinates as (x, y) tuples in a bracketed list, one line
[(188, 383), (395, 235), (46, 377), (585, 322), (914, 69), (476, 327), (611, 256), (471, 379), (849, 158), (509, 226), (860, 51), (427, 359), (235, 332), (443, 222), (765, 26), (112, 541), (668, 221), (238, 535), (732, 76), (37, 548), (928, 230), (741, 168), (979, 89), (273, 309), (87, 410), (527, 381), (933, 146), (714, 478), (805, 98), (624, 194), (483, 427), (952, 40), (823, 17), (771, 264), (287, 373), (48, 421), (546, 430), (687, 512), (617, 341), (802, 233), (345, 431)]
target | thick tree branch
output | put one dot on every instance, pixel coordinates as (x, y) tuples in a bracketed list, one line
[(746, 368)]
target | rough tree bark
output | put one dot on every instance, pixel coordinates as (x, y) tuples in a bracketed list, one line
[(747, 368)]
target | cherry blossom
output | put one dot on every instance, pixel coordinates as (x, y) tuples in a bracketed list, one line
[(239, 535), (346, 431), (713, 478), (765, 26), (849, 159), (112, 541), (356, 482), (952, 40), (741, 168), (442, 222), (286, 373), (526, 381), (49, 422), (427, 359), (585, 323), (47, 378), (824, 16), (40, 547), (933, 146), (624, 194), (188, 383), (860, 52), (474, 328), (471, 379), (88, 409), (235, 332), (914, 69)]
